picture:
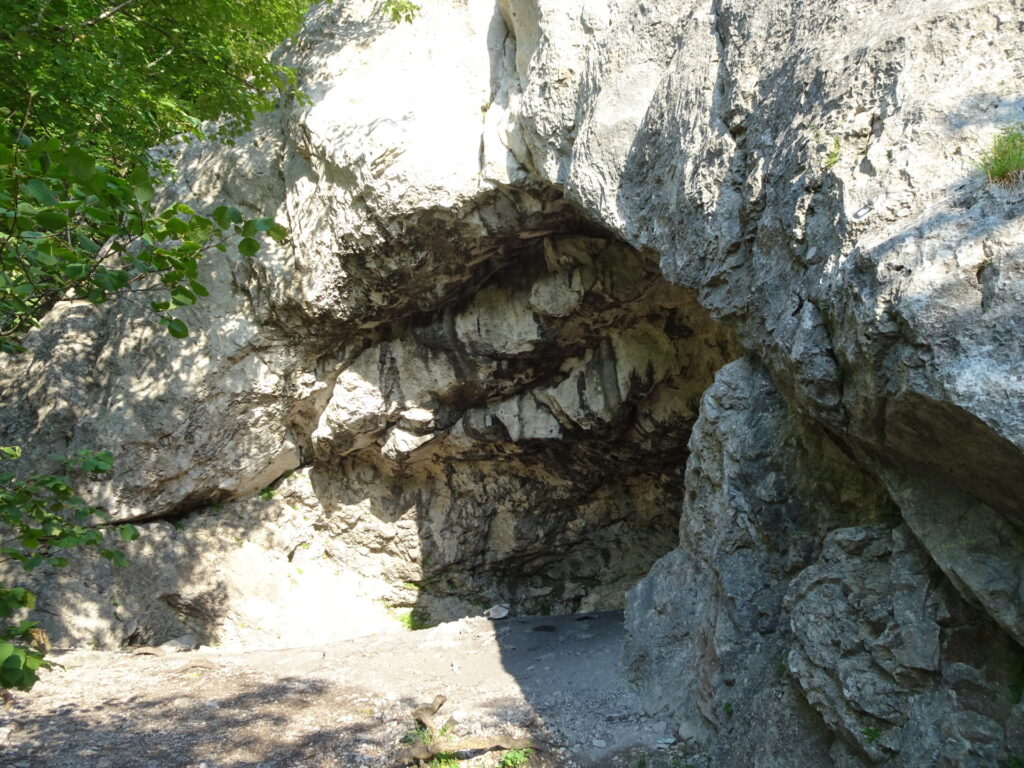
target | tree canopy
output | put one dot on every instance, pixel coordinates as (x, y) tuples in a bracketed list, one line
[(121, 77)]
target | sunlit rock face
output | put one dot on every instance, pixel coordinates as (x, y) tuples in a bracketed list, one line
[(486, 391)]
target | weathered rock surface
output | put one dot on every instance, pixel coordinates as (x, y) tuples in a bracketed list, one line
[(895, 662), (489, 389), (760, 491)]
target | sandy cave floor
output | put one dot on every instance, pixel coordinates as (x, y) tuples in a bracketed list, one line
[(554, 678)]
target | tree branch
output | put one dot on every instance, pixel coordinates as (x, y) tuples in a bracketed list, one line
[(107, 14)]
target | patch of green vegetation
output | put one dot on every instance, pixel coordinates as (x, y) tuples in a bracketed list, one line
[(832, 158), (412, 619), (419, 735), (1013, 761), (781, 666), (871, 735), (444, 760), (727, 708), (515, 758), (1004, 162), (267, 493), (400, 10)]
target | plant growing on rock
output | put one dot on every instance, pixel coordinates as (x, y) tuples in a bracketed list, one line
[(1003, 163)]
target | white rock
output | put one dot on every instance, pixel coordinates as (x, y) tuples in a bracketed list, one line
[(497, 612)]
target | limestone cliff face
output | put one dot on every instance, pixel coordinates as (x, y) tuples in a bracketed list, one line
[(486, 387)]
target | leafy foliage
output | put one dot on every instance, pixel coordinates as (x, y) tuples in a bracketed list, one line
[(515, 758), (41, 517), (871, 735), (95, 83), (400, 10), (70, 229), (834, 153), (124, 75)]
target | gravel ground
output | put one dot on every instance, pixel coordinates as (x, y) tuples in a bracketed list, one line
[(348, 704)]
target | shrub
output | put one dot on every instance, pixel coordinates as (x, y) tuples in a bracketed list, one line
[(41, 518)]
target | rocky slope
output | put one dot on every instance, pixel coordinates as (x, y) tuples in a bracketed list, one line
[(487, 390)]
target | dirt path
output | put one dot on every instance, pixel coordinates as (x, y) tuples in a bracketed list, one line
[(348, 704)]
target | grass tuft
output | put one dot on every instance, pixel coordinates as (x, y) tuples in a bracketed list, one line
[(834, 154), (1004, 162), (413, 619), (419, 736)]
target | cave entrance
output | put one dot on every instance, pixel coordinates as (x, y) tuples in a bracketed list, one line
[(525, 444)]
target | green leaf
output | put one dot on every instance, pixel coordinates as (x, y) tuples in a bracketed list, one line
[(143, 193), (85, 242), (37, 148), (76, 271), (176, 226), (40, 191), (52, 220), (93, 461), (45, 259), (182, 296), (226, 215), (220, 215), (80, 164), (176, 328), (115, 556), (248, 247), (128, 532)]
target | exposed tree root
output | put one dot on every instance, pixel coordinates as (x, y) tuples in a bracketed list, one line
[(426, 717)]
